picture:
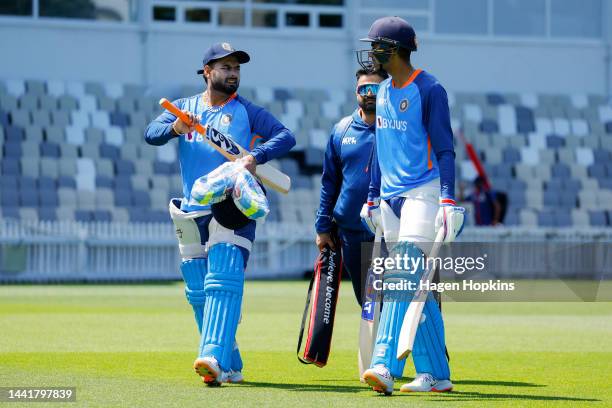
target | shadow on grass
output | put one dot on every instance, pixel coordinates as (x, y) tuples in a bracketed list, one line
[(481, 396), (442, 397), (497, 383)]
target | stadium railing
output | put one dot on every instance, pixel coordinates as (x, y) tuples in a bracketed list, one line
[(63, 251)]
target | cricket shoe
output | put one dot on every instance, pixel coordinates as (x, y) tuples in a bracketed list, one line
[(425, 383), (231, 377), (208, 368), (380, 379)]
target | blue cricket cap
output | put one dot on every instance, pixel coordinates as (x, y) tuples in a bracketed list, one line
[(395, 29), (222, 50)]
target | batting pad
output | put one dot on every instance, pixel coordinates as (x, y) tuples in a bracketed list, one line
[(395, 304), (194, 271), (429, 350), (223, 287), (236, 363)]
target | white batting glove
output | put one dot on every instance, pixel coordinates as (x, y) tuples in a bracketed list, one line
[(370, 215), (450, 217)]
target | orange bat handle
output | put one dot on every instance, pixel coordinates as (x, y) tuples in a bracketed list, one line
[(181, 115)]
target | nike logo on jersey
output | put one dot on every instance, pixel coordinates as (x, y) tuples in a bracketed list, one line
[(349, 140), (384, 123)]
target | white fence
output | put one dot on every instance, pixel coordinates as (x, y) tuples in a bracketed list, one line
[(95, 252)]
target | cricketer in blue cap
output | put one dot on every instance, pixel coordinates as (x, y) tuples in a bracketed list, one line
[(412, 192), (214, 251)]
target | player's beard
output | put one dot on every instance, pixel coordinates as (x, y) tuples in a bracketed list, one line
[(368, 105), (224, 86)]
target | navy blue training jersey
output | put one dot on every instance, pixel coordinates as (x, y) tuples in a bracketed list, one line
[(346, 176)]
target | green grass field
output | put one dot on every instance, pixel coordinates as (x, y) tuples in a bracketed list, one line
[(133, 346)]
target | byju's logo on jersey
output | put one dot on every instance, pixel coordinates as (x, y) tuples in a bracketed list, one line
[(384, 123), (349, 140), (403, 105)]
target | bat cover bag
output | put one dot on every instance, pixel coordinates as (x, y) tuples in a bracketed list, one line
[(321, 301)]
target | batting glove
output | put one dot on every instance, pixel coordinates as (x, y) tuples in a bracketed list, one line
[(370, 215), (450, 217)]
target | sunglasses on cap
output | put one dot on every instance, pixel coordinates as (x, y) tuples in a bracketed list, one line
[(367, 89)]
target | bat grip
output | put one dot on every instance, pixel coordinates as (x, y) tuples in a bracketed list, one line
[(172, 108)]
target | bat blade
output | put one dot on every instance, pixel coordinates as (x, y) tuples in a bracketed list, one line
[(412, 318), (270, 176)]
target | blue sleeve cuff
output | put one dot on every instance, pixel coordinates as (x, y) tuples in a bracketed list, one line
[(259, 156), (323, 223)]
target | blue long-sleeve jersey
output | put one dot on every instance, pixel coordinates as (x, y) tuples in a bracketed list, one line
[(249, 125), (346, 178), (414, 139)]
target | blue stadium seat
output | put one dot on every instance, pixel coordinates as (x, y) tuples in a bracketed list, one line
[(8, 183), (12, 149), (546, 219), (510, 155), (161, 168), (517, 199), (124, 167), (123, 182), (66, 181), (119, 119), (4, 119), (489, 126), (28, 198), (123, 198), (83, 215), (512, 218), (552, 198), (109, 151), (562, 218), (14, 133), (289, 167), (141, 199), (10, 167), (572, 185), (10, 211), (495, 99), (49, 149), (597, 170), (281, 94), (598, 218), (560, 170), (102, 216), (601, 156), (314, 157), (138, 215), (553, 185), (48, 198), (104, 182), (605, 183), (47, 214), (46, 183), (159, 216), (27, 183), (554, 141), (524, 120), (568, 199)]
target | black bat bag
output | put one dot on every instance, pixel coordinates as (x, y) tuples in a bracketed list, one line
[(321, 300)]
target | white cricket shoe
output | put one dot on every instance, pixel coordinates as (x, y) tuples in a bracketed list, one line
[(208, 368), (380, 379), (232, 376), (426, 382)]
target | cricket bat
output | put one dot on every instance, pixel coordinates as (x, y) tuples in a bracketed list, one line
[(412, 318), (270, 176), (370, 313)]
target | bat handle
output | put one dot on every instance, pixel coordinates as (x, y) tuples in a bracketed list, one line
[(172, 108)]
